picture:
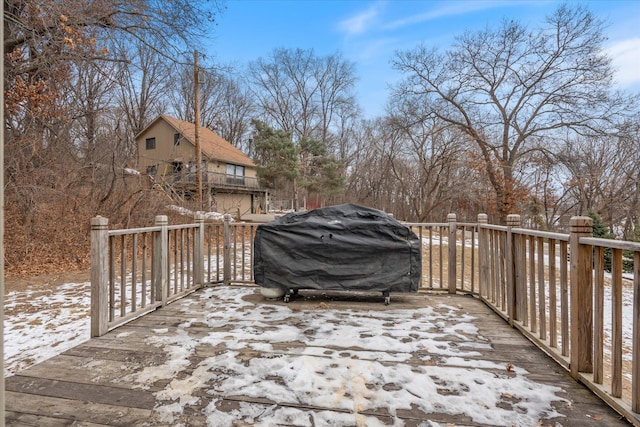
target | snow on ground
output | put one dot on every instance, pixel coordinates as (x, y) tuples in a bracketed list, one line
[(212, 216), (41, 324), (340, 366)]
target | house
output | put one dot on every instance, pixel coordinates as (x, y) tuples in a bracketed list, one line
[(166, 153)]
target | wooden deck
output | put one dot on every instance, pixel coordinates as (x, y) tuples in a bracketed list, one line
[(226, 356)]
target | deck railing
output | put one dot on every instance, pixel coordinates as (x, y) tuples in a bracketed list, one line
[(552, 287)]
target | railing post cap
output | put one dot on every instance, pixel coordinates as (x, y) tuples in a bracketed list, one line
[(483, 218), (162, 219), (99, 222), (580, 224), (199, 216), (227, 217), (513, 220), (451, 217)]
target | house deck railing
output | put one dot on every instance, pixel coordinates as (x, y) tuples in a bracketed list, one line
[(217, 180), (553, 287)]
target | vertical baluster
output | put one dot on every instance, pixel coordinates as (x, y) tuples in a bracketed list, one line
[(463, 258), (495, 251), (189, 252), (442, 231), (242, 250), (553, 302), (472, 278), (134, 273), (152, 289), (542, 300), (112, 278), (532, 284), (430, 257), (564, 297), (616, 321), (218, 258), (420, 232), (123, 276), (502, 286), (235, 252), (209, 240), (598, 321), (143, 290), (512, 268), (253, 236), (452, 238), (521, 276), (635, 350)]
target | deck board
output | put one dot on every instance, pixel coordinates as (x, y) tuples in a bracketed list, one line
[(99, 382)]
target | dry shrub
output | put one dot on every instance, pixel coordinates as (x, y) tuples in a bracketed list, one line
[(47, 228)]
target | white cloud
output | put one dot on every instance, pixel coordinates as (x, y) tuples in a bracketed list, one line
[(625, 55), (447, 9), (360, 23)]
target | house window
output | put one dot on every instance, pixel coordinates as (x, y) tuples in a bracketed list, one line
[(176, 139), (235, 174), (150, 143)]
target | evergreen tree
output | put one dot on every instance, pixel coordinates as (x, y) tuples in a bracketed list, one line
[(601, 230), (627, 256), (275, 155), (319, 172)]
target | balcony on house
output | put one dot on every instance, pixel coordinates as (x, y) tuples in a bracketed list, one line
[(216, 180)]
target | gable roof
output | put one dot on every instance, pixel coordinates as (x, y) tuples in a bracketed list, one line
[(212, 145)]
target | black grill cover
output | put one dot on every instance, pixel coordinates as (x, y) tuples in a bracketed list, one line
[(344, 247)]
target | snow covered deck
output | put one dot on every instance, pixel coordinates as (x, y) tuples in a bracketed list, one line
[(224, 356)]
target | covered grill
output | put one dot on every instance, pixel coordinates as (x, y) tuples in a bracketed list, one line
[(345, 247)]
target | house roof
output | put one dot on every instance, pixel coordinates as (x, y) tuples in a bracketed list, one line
[(213, 146)]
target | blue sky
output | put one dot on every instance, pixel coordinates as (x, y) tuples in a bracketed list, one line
[(369, 32)]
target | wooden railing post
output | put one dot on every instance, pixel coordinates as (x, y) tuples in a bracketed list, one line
[(99, 276), (452, 244), (581, 285), (198, 255), (161, 258), (513, 221), (483, 250), (226, 270)]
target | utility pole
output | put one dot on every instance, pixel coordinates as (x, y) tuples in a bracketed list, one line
[(196, 84)]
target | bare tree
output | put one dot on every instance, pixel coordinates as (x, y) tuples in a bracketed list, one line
[(225, 104), (435, 170), (303, 94), (142, 87), (65, 144), (508, 88), (602, 177), (236, 114)]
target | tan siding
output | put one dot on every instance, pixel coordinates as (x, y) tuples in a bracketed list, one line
[(216, 151), (250, 172), (232, 203), (165, 150)]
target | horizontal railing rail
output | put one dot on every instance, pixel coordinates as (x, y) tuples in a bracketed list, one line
[(553, 287)]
